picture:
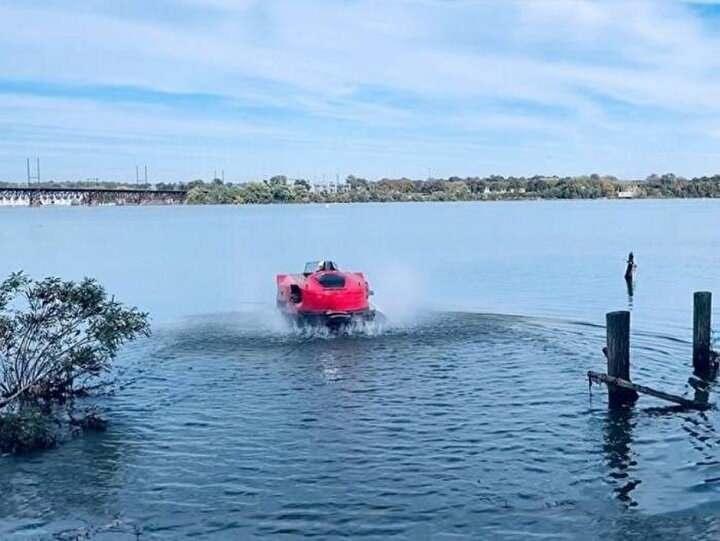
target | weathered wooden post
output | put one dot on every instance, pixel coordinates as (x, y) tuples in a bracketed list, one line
[(622, 391), (618, 357), (702, 308), (630, 269)]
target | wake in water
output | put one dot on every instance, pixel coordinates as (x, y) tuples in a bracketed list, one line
[(265, 327), (376, 327)]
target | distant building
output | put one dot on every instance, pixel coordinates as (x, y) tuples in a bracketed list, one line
[(628, 193), (329, 188)]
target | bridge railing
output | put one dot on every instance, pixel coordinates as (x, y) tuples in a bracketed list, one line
[(38, 196)]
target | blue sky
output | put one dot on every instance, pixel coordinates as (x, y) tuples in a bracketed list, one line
[(318, 88)]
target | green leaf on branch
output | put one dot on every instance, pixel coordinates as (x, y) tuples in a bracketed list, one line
[(53, 332)]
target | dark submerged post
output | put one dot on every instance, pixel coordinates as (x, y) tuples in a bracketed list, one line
[(702, 308), (618, 357), (630, 269)]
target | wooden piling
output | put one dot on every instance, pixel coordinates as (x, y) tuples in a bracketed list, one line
[(702, 309), (630, 269), (618, 357)]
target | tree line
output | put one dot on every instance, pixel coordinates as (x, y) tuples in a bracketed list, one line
[(281, 189)]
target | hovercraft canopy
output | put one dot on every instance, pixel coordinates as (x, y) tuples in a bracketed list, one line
[(319, 266)]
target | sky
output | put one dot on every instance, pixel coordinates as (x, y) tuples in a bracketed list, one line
[(321, 89)]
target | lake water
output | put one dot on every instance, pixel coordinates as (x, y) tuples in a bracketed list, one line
[(466, 416)]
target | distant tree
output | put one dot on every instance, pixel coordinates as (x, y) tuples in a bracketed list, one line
[(195, 183), (301, 191), (301, 183), (278, 179), (281, 192), (166, 186), (256, 192), (196, 196), (458, 190), (356, 183)]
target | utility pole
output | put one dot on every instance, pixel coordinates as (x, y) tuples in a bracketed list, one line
[(30, 176)]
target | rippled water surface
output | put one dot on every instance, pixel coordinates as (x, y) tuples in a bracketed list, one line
[(466, 416)]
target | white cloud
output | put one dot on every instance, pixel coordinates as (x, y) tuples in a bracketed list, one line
[(548, 69)]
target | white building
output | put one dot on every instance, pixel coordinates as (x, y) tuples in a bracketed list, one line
[(628, 193)]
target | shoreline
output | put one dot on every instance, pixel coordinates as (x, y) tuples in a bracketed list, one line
[(334, 203)]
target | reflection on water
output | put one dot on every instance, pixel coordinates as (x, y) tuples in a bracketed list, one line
[(618, 438), (630, 286)]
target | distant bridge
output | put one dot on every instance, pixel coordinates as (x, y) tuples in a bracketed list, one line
[(33, 196)]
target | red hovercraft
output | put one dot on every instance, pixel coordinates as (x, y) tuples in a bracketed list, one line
[(324, 296)]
